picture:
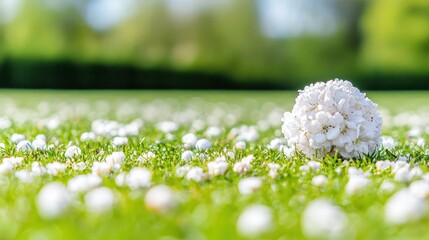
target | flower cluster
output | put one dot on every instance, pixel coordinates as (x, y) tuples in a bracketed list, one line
[(333, 117)]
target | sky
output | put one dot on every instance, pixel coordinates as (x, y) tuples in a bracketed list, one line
[(102, 15), (8, 10), (292, 18)]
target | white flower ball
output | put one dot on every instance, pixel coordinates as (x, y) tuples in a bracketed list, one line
[(333, 117)]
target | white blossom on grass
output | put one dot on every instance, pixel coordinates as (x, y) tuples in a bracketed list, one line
[(274, 167), (414, 132), (187, 156), (240, 145), (189, 140), (202, 156), (138, 178), (5, 123), (404, 207), (38, 169), (242, 167), (404, 158), (245, 133), (120, 179), (87, 136), (416, 173), (333, 117), (24, 146), (387, 186), (323, 219), (353, 171), (426, 177), (159, 199), (315, 166), (388, 142), (100, 200), (217, 167), (420, 189), (319, 181), (198, 125), (310, 165), (120, 141), (72, 152), (421, 142), (399, 165), (203, 144), (102, 168), (13, 161), (167, 126), (383, 165), (79, 166), (55, 168), (39, 144), (53, 200), (289, 151), (403, 175), (116, 159), (147, 156), (277, 144), (255, 220), (41, 137), (24, 176), (5, 168), (213, 131), (356, 184), (249, 185), (195, 174), (16, 138), (84, 183), (181, 171)]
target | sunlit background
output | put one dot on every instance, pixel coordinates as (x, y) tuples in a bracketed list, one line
[(221, 44)]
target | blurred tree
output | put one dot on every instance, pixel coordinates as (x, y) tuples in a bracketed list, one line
[(36, 33), (396, 37), (315, 40)]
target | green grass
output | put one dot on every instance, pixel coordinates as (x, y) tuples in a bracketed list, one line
[(205, 210)]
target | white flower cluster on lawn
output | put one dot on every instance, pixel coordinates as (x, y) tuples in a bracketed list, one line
[(333, 117), (217, 167)]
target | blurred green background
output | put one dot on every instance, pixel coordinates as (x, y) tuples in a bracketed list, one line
[(219, 44)]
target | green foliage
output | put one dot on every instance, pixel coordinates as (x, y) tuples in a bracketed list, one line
[(396, 36), (390, 51), (224, 41)]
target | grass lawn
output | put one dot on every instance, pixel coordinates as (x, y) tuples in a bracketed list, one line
[(206, 209)]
